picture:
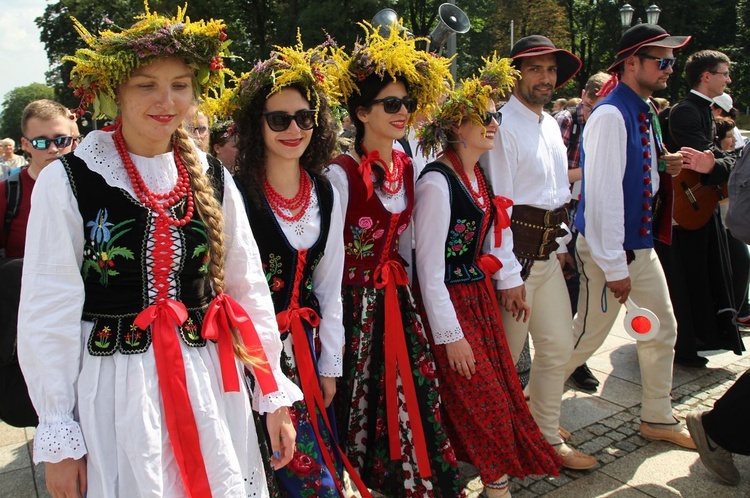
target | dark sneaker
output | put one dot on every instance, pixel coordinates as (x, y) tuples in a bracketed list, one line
[(694, 362), (715, 458), (584, 379)]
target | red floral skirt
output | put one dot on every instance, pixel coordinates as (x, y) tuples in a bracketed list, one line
[(488, 420)]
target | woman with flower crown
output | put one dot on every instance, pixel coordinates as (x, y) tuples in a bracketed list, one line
[(285, 137), (458, 226), (388, 408), (129, 331)]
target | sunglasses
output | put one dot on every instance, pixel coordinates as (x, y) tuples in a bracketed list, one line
[(280, 121), (489, 116), (664, 62), (200, 130), (392, 105), (44, 143)]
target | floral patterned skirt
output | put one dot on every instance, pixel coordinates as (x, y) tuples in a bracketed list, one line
[(487, 417), (361, 404), (307, 474)]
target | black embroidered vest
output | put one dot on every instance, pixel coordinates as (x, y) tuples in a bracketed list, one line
[(280, 258), (466, 233), (117, 262)]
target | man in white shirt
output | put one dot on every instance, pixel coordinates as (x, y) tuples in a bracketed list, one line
[(529, 165), (626, 202)]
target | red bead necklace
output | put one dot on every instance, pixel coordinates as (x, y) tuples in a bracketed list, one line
[(393, 178), (300, 201), (159, 202), (480, 195)]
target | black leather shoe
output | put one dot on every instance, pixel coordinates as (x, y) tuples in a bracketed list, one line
[(694, 362), (584, 379)]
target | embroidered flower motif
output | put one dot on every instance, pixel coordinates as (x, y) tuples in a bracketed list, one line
[(460, 237), (201, 249), (378, 233), (363, 239), (102, 337), (365, 222), (272, 270), (191, 329), (100, 251), (276, 284), (133, 336), (401, 229)]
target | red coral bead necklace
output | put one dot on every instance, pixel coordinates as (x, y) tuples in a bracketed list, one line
[(300, 201), (480, 195)]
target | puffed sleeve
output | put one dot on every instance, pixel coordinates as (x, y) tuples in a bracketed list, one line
[(49, 316), (327, 279), (337, 176), (431, 223), (246, 283)]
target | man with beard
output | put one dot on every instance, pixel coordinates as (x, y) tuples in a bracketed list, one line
[(529, 165), (625, 203)]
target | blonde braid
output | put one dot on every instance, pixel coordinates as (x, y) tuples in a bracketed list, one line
[(213, 217)]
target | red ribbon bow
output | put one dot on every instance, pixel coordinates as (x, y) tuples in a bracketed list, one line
[(490, 265), (388, 275), (224, 313), (178, 412), (502, 220), (365, 168)]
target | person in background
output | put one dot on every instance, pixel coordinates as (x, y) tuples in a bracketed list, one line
[(129, 331), (9, 160), (723, 108), (223, 144), (388, 407), (458, 226), (559, 106), (571, 122), (196, 123), (661, 103)]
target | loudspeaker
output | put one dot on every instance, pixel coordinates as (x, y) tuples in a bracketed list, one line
[(452, 20), (383, 21)]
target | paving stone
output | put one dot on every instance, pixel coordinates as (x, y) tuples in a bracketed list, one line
[(542, 487)]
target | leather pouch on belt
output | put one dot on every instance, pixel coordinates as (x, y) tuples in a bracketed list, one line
[(535, 231)]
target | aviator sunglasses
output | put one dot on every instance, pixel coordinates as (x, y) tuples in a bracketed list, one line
[(280, 120), (44, 143), (392, 105), (664, 62), (488, 116)]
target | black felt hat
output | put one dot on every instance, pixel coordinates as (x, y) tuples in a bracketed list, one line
[(568, 64), (645, 35)]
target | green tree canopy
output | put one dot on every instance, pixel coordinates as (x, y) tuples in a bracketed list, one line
[(15, 101)]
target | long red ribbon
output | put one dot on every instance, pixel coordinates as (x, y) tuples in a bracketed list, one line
[(388, 275), (178, 412), (291, 320), (490, 265), (222, 314), (502, 220)]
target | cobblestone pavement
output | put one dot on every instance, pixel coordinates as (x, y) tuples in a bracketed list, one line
[(604, 425)]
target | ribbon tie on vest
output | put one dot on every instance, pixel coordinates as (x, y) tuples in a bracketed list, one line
[(502, 220), (490, 265), (368, 158), (224, 313), (388, 275), (163, 317)]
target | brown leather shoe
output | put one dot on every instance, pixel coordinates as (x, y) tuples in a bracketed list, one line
[(565, 435), (574, 459), (676, 434)]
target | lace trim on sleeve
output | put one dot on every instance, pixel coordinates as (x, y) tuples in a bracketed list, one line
[(448, 336), (287, 394), (332, 368), (58, 440)]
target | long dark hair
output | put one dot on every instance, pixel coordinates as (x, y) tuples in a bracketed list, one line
[(369, 88), (251, 150)]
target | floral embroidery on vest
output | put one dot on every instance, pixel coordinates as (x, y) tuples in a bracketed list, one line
[(99, 252), (273, 269), (460, 237), (201, 249), (364, 237)]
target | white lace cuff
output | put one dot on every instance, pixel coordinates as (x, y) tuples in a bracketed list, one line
[(57, 440), (330, 365), (447, 336), (287, 394)]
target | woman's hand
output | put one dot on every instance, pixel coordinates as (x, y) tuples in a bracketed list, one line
[(328, 385), (67, 478), (282, 435), (461, 358)]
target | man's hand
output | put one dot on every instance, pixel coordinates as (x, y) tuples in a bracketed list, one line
[(461, 358), (514, 301), (620, 288), (567, 265), (696, 160), (673, 162)]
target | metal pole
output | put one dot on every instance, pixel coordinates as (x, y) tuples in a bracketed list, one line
[(512, 35)]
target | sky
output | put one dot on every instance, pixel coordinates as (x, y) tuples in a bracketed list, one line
[(23, 60)]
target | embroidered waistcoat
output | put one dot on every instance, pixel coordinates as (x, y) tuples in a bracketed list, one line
[(118, 262), (467, 230), (638, 195), (371, 232), (280, 258)]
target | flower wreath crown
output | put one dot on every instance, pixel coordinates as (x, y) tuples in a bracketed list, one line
[(396, 56), (470, 101), (316, 69), (111, 57)]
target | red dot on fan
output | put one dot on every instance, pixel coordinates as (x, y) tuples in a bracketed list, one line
[(641, 325)]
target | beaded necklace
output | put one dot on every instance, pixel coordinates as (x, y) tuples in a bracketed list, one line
[(158, 202), (300, 201), (393, 178), (480, 195)]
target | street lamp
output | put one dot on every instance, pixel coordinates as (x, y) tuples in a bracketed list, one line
[(627, 11)]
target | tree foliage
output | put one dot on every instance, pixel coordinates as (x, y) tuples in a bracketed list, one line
[(14, 103)]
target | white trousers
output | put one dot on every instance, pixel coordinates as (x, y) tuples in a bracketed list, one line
[(592, 324), (551, 328)]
